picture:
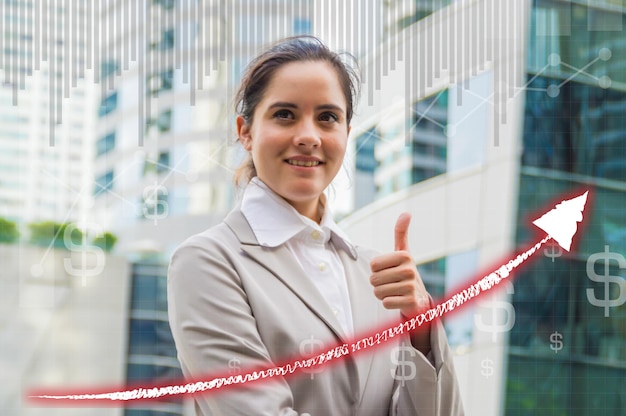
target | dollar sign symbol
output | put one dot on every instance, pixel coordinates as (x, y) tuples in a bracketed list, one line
[(552, 254), (398, 359), (606, 278), (487, 365), (308, 347), (555, 340), (234, 366), (154, 202), (83, 249), (494, 328)]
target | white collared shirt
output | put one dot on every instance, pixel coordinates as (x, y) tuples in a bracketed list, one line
[(274, 222)]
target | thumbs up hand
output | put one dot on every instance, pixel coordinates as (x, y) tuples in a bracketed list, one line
[(395, 278), (397, 282)]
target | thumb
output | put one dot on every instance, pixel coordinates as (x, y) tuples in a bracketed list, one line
[(402, 231)]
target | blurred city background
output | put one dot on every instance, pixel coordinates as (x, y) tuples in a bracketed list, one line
[(117, 142)]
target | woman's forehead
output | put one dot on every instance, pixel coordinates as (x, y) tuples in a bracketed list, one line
[(297, 81)]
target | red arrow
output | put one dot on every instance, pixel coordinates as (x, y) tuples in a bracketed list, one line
[(559, 223)]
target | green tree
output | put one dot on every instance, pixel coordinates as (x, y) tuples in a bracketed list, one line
[(46, 233), (105, 241), (8, 231)]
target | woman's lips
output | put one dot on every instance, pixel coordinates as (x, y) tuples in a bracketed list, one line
[(304, 163)]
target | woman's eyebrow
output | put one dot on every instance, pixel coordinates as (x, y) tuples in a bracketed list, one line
[(330, 107), (284, 104)]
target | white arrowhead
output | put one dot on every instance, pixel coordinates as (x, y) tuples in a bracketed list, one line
[(560, 222)]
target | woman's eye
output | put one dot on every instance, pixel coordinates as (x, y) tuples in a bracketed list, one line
[(329, 117), (283, 114)]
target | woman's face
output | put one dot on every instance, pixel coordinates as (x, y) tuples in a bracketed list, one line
[(299, 133)]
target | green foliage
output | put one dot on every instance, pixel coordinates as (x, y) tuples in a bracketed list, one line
[(8, 231), (48, 233), (105, 241)]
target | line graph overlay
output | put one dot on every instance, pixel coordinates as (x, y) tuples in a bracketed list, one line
[(560, 221)]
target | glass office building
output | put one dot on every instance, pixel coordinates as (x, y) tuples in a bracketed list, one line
[(151, 350), (563, 350), (393, 160), (568, 347)]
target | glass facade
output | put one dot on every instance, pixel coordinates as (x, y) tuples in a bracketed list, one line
[(404, 13), (567, 351), (391, 164), (441, 276), (365, 145), (433, 274), (162, 122), (570, 332), (105, 144), (159, 82), (151, 349), (429, 143), (108, 68), (165, 42), (103, 183), (366, 165), (108, 104), (581, 130)]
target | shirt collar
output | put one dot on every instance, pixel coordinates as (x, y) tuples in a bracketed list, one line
[(274, 221)]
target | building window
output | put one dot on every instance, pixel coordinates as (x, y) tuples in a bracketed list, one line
[(365, 146), (150, 337), (149, 291), (159, 82), (104, 183), (429, 142), (163, 122), (165, 43), (433, 274), (151, 348), (165, 4), (108, 104), (105, 144), (107, 68), (409, 12), (161, 165), (585, 118)]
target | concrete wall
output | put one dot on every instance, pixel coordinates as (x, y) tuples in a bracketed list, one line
[(62, 325)]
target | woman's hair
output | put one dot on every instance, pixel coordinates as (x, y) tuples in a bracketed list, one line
[(261, 69)]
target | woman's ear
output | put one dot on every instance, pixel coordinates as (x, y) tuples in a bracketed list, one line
[(243, 132)]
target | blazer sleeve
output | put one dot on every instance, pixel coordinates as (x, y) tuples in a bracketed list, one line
[(430, 388), (433, 390), (213, 326)]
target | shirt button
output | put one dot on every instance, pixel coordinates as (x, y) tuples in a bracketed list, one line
[(322, 267), (335, 311), (316, 235)]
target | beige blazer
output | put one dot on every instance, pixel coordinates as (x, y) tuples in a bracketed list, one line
[(234, 305)]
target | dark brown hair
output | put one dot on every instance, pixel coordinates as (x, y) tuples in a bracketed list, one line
[(261, 69)]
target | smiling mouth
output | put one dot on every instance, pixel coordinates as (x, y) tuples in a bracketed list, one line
[(305, 163)]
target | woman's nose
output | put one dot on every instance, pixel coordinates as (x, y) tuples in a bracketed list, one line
[(307, 135)]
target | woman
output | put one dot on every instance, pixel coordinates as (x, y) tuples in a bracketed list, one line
[(278, 279)]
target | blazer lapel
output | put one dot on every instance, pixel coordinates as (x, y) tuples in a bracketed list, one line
[(363, 314), (281, 263)]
